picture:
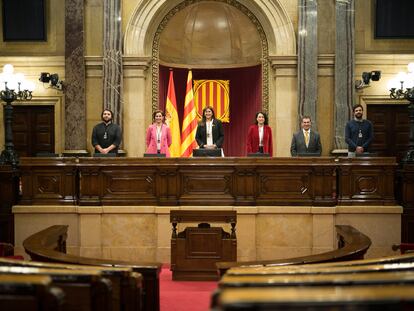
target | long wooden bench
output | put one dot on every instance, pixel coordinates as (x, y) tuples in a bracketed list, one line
[(338, 279), (85, 290), (356, 298), (126, 284), (49, 245), (29, 293), (303, 269), (352, 245), (312, 275)]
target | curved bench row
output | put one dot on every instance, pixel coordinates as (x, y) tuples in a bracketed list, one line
[(49, 246), (352, 245), (385, 283)]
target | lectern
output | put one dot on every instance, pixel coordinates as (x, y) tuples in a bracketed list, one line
[(195, 250)]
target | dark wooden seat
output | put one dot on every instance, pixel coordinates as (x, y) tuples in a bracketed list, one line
[(303, 269), (405, 258), (356, 298), (29, 293), (84, 289), (49, 245), (309, 276), (352, 245), (126, 284), (337, 279)]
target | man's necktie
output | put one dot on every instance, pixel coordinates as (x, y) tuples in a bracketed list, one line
[(307, 138)]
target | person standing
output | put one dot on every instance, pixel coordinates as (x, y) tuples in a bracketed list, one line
[(259, 137), (158, 138), (106, 136), (359, 132), (210, 133), (306, 141)]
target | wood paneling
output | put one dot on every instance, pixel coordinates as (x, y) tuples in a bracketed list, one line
[(49, 181), (366, 184), (33, 130), (391, 129), (405, 196), (220, 181), (9, 191), (196, 250)]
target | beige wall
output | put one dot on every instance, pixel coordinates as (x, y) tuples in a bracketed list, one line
[(393, 56), (138, 233)]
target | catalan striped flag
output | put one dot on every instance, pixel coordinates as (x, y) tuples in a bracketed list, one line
[(214, 93), (188, 142), (171, 118)]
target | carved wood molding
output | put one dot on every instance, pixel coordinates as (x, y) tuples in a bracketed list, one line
[(227, 181)]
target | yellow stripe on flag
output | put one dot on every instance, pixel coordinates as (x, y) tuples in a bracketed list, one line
[(188, 131), (171, 118)]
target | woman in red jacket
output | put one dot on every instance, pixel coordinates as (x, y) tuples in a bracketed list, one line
[(259, 138)]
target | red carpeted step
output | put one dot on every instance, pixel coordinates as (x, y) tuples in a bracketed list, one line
[(184, 295)]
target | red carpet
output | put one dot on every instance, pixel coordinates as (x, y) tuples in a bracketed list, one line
[(184, 295)]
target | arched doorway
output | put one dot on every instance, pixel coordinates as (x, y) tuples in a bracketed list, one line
[(217, 41), (268, 17)]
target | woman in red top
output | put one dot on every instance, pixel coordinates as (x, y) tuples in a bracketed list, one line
[(259, 138)]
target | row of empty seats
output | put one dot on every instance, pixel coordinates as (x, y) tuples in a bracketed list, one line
[(385, 283), (59, 281)]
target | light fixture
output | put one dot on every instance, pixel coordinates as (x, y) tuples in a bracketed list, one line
[(402, 87), (374, 75), (12, 87), (52, 79)]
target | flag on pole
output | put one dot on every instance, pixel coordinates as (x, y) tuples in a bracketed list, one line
[(188, 132), (171, 118)]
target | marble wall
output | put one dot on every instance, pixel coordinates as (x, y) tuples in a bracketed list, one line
[(271, 232)]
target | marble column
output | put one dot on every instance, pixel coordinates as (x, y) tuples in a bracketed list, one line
[(136, 82), (75, 104), (344, 68), (112, 59), (308, 60)]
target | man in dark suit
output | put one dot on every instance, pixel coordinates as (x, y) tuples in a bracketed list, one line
[(306, 141)]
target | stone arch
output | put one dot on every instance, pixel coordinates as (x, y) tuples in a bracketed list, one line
[(150, 18), (149, 14)]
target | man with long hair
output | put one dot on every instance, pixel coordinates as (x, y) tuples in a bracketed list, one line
[(106, 136)]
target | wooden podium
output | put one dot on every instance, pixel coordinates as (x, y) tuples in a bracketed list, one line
[(195, 250)]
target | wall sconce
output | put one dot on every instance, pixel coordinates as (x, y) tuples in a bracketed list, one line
[(374, 75), (401, 81), (52, 79), (397, 91), (13, 86)]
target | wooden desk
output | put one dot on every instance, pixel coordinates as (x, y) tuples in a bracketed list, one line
[(195, 250)]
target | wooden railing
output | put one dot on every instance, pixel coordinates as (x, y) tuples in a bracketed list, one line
[(49, 245), (324, 181), (352, 245)]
